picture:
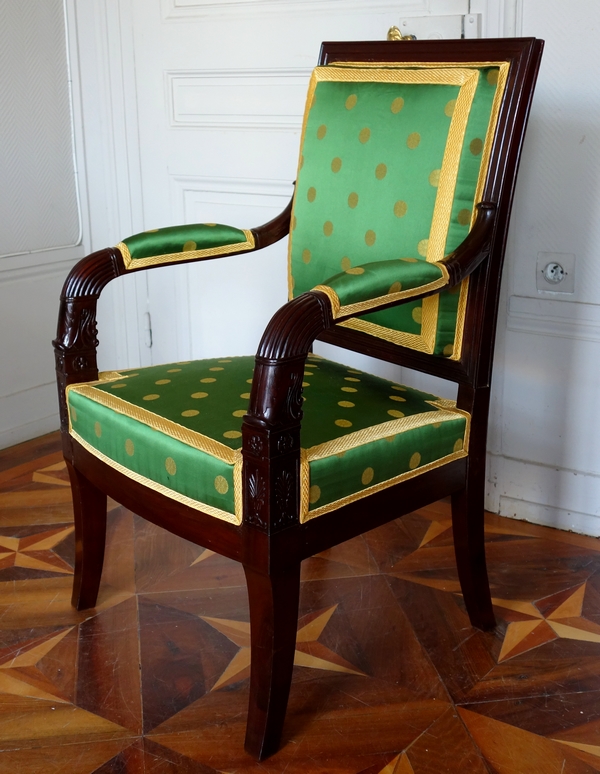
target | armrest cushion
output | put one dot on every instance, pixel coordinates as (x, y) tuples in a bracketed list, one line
[(366, 287), (183, 243)]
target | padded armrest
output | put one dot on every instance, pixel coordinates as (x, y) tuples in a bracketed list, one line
[(183, 243), (362, 288)]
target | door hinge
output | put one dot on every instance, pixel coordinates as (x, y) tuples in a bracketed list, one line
[(147, 330)]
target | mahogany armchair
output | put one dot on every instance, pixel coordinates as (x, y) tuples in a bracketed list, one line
[(397, 235)]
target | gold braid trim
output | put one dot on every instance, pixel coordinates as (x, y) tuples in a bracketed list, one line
[(412, 340), (443, 403), (171, 493), (364, 306), (449, 170), (333, 297), (384, 430), (435, 74), (304, 484), (237, 487), (189, 255), (461, 314), (110, 376), (450, 405), (383, 485), (165, 426), (503, 68)]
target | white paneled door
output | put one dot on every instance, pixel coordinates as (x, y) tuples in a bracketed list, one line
[(216, 102)]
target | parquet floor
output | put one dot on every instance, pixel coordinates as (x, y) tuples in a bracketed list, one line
[(390, 678)]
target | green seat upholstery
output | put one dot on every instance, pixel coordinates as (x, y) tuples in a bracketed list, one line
[(177, 428)]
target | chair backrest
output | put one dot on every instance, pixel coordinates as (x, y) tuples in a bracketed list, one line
[(394, 157)]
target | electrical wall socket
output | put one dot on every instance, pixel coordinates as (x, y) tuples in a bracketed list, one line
[(564, 261)]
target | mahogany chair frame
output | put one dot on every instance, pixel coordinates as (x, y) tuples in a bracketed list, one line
[(271, 542)]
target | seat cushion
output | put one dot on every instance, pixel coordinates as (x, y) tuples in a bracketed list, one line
[(177, 429)]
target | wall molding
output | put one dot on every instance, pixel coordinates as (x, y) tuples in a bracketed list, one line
[(237, 99), (32, 264), (189, 190), (501, 18), (58, 269), (550, 317), (185, 9)]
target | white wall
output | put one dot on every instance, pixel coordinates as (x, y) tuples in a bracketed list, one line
[(545, 440), (40, 224)]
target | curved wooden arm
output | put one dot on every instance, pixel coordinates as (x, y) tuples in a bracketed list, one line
[(275, 229), (276, 396), (475, 248), (271, 428)]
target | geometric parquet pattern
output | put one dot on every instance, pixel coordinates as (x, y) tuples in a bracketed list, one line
[(389, 679)]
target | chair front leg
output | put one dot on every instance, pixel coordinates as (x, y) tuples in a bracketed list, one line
[(89, 506), (273, 603)]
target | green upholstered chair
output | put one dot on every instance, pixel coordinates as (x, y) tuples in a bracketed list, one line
[(396, 233)]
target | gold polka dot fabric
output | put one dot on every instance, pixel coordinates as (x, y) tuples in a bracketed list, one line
[(188, 441), (378, 167), (359, 284)]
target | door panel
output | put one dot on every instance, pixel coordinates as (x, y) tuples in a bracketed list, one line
[(220, 94)]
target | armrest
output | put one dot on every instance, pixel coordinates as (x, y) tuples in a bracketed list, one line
[(199, 241), (276, 396), (183, 243), (383, 283), (76, 339)]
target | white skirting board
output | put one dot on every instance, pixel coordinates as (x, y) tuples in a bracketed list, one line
[(542, 494), (28, 414)]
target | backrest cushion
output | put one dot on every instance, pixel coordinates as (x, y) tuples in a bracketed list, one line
[(393, 160)]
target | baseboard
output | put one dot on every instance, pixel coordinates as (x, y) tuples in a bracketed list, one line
[(28, 414), (26, 432), (554, 497), (548, 516)]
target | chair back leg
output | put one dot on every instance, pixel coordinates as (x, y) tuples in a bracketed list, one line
[(469, 548), (273, 601), (89, 507)]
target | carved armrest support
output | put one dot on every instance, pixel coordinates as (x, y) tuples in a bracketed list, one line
[(76, 338)]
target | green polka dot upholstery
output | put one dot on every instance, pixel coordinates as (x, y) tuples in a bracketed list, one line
[(183, 243), (392, 163), (381, 282), (177, 428)]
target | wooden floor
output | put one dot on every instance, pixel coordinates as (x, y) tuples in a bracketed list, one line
[(390, 678)]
